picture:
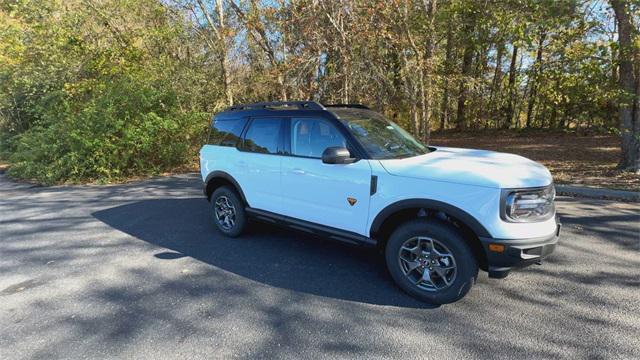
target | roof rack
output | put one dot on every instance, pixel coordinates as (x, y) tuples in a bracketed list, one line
[(355, 106), (282, 105)]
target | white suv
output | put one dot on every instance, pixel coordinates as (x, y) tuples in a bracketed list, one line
[(346, 172)]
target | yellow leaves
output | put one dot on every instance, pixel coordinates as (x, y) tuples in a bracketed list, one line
[(83, 87), (11, 39)]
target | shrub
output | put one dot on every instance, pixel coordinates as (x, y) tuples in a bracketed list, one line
[(122, 129)]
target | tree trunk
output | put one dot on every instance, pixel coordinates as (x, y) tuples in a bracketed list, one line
[(410, 89), (444, 115), (224, 63), (414, 118), (462, 94), (423, 102), (219, 45), (512, 84), (636, 105), (629, 122), (557, 124), (467, 60), (427, 94), (537, 70), (482, 65), (497, 80)]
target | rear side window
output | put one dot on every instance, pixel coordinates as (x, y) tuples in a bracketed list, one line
[(226, 132), (263, 136)]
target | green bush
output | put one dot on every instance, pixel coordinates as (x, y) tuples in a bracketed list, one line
[(81, 99), (124, 128)]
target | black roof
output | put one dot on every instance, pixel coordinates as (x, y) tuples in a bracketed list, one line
[(352, 106), (291, 105), (297, 108), (278, 105)]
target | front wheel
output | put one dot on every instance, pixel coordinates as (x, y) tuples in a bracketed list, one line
[(228, 211), (430, 260)]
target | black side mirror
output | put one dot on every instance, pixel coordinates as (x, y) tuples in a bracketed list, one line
[(337, 155)]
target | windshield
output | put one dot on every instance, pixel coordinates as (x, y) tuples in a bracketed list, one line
[(381, 138)]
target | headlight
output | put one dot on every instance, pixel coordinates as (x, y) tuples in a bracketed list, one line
[(528, 205)]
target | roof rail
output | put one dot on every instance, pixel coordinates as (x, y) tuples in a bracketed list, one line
[(355, 106), (283, 105)]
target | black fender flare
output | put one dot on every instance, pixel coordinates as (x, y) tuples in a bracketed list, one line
[(451, 210), (224, 175)]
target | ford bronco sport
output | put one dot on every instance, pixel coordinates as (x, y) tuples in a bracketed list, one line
[(345, 172)]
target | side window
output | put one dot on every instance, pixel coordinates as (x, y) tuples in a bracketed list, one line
[(310, 137), (226, 132), (263, 135)]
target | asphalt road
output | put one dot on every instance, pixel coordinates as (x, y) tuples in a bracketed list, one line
[(137, 270)]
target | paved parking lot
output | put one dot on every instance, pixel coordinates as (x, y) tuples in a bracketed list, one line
[(137, 270)]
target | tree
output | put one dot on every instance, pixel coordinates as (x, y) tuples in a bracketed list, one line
[(464, 64), (535, 77), (629, 108), (219, 41), (468, 27), (448, 69)]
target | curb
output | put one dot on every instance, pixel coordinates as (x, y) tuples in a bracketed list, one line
[(596, 193)]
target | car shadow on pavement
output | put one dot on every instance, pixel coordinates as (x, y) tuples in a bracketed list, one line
[(265, 253)]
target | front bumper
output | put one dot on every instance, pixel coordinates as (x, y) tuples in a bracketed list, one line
[(505, 254)]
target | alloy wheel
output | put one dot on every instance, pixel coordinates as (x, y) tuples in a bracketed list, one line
[(225, 213), (427, 263)]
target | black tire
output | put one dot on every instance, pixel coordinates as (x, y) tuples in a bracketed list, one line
[(448, 240), (237, 205)]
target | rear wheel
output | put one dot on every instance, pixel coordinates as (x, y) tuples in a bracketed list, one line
[(228, 211), (430, 260)]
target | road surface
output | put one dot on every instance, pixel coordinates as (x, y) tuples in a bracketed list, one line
[(137, 270)]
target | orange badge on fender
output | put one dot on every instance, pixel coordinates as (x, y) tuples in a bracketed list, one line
[(352, 201)]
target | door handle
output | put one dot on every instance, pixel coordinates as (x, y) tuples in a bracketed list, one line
[(298, 171), (242, 164)]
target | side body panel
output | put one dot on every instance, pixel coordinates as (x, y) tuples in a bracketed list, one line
[(320, 193), (257, 174)]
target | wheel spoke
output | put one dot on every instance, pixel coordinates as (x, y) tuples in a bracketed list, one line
[(445, 268), (406, 258), (442, 274), (412, 265), (426, 277), (440, 254), (428, 247), (416, 250)]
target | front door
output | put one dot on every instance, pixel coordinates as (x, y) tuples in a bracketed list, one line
[(335, 195)]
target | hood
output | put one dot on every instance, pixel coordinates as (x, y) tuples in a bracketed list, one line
[(472, 167)]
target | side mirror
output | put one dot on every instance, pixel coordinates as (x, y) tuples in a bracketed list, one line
[(337, 155)]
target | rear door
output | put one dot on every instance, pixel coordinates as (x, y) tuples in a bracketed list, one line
[(220, 153), (334, 195), (259, 166)]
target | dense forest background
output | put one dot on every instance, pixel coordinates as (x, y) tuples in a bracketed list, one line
[(108, 89)]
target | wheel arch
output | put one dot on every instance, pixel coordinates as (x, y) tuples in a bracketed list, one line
[(217, 179), (394, 214)]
